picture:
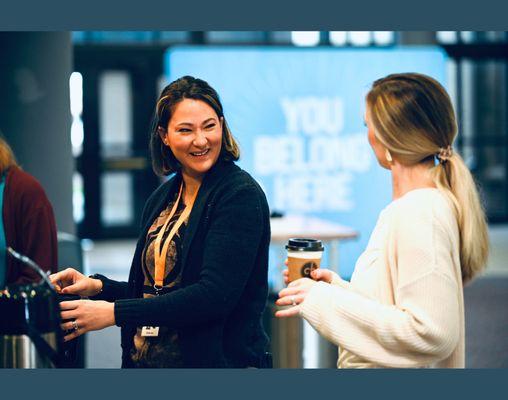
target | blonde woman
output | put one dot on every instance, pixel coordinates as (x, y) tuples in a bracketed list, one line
[(404, 306), (27, 222)]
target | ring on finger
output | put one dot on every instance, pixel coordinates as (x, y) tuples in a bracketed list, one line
[(75, 325), (293, 300)]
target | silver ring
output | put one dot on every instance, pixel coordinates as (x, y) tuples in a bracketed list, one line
[(75, 325), (293, 300)]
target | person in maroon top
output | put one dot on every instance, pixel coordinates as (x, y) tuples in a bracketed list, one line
[(28, 221)]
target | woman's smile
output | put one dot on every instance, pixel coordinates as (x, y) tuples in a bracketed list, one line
[(200, 154)]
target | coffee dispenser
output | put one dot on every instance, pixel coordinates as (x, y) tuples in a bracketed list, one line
[(30, 334)]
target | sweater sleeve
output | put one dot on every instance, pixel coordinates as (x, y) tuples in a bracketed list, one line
[(422, 327), (338, 281), (111, 290), (229, 255), (39, 234)]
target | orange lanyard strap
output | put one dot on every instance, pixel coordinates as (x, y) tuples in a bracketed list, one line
[(160, 254)]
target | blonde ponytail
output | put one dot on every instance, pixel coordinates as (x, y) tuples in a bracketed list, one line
[(414, 119), (455, 180)]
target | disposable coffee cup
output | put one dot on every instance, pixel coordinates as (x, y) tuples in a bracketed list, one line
[(304, 256)]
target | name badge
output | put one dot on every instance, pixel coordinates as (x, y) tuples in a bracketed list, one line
[(150, 331)]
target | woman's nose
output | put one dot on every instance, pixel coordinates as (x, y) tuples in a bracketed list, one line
[(200, 139)]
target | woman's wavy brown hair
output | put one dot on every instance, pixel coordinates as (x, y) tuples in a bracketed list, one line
[(187, 87)]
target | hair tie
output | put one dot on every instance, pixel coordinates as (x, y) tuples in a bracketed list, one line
[(444, 154)]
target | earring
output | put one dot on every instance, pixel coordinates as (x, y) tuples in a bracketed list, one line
[(388, 156)]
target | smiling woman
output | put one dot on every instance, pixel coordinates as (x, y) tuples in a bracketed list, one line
[(198, 282), (194, 114), (194, 136)]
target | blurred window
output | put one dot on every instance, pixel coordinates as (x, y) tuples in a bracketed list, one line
[(384, 38), (78, 198), (76, 103), (446, 37), (117, 201), (360, 38), (477, 82), (338, 38), (305, 38), (115, 113)]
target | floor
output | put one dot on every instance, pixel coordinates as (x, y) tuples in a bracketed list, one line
[(486, 301)]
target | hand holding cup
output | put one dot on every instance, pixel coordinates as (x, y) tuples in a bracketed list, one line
[(319, 274), (304, 257)]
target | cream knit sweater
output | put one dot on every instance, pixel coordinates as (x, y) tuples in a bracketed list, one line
[(404, 306)]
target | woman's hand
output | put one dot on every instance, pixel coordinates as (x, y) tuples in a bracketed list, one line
[(82, 316), (319, 274), (70, 281), (293, 295)]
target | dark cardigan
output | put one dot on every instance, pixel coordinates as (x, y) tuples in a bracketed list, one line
[(29, 225), (218, 310)]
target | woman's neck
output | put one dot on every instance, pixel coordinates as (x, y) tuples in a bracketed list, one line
[(191, 185), (407, 178)]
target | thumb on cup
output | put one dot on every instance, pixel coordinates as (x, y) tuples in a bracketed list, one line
[(321, 274)]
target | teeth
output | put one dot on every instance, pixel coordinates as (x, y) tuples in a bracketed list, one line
[(200, 154)]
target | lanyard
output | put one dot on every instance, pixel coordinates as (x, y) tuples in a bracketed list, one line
[(160, 254)]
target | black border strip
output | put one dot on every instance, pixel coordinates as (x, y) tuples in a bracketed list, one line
[(254, 15), (254, 384)]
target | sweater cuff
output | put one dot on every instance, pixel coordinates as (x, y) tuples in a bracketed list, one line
[(338, 281), (106, 292), (128, 312), (312, 306)]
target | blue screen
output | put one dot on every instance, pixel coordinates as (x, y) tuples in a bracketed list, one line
[(298, 115)]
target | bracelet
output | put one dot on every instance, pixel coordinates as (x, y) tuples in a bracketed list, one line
[(100, 278)]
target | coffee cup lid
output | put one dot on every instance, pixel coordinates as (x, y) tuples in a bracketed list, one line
[(304, 244)]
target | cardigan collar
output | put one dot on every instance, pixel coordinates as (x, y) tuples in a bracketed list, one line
[(210, 181)]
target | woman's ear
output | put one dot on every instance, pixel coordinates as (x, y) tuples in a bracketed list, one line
[(162, 133)]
